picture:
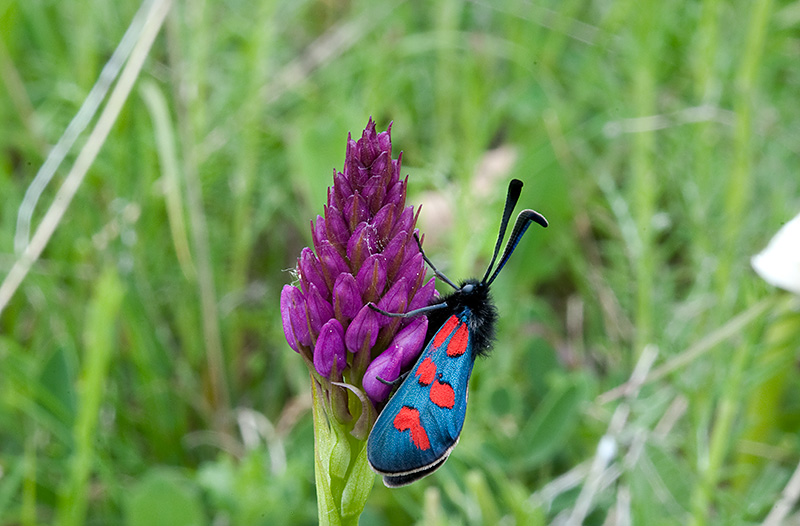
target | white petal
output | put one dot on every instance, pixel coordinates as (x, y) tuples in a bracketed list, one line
[(779, 263)]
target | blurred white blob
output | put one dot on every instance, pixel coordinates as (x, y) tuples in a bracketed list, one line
[(779, 263)]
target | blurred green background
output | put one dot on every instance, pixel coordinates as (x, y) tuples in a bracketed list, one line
[(144, 376)]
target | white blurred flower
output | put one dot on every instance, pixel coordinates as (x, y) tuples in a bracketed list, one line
[(779, 263)]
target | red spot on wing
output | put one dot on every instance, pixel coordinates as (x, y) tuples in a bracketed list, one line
[(445, 331), (458, 343), (408, 419), (442, 394), (426, 371)]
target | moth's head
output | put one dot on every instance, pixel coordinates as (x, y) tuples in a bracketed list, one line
[(472, 291), (471, 286)]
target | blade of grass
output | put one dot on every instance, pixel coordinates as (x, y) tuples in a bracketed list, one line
[(87, 155), (192, 122), (644, 187), (789, 497), (85, 114), (707, 91), (740, 181), (738, 190), (165, 144), (100, 342)]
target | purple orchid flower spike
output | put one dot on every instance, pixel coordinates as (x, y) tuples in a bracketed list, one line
[(363, 251)]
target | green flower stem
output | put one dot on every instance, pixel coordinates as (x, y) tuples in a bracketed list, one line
[(343, 476)]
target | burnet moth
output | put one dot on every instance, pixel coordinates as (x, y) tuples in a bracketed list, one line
[(421, 423)]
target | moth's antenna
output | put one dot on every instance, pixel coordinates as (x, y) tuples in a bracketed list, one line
[(514, 190), (524, 220), (433, 267)]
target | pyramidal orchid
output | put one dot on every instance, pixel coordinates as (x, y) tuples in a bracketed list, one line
[(363, 252)]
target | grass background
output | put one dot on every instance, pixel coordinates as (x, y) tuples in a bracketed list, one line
[(144, 374)]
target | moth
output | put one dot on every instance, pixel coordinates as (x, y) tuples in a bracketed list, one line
[(422, 422)]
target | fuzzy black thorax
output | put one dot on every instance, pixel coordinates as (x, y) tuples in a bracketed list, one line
[(473, 296)]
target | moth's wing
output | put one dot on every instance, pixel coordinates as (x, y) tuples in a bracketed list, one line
[(396, 481), (391, 450), (421, 424)]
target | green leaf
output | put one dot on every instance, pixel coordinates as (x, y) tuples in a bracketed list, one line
[(358, 485), (339, 451), (552, 423), (57, 379), (518, 499), (164, 497), (368, 414)]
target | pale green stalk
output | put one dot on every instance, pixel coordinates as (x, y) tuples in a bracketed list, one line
[(343, 476), (644, 186), (739, 185)]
